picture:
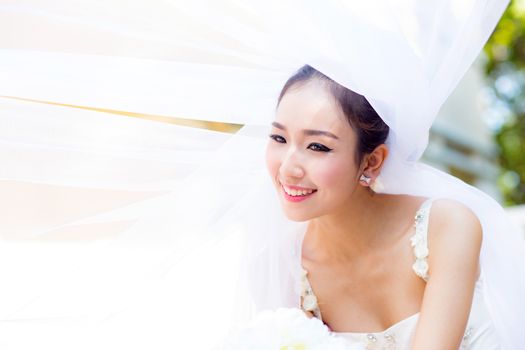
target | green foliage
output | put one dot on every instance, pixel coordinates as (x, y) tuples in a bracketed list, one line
[(505, 69)]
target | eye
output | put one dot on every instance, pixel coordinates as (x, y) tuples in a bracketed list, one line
[(277, 138), (318, 147)]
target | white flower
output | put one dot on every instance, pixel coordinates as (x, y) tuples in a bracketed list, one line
[(305, 285), (420, 267), (309, 302), (421, 251), (417, 239), (287, 329)]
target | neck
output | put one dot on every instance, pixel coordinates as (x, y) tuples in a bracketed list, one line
[(353, 230)]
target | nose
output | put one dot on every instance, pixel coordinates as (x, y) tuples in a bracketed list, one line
[(291, 167)]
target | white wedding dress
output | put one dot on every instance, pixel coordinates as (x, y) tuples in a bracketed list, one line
[(479, 333)]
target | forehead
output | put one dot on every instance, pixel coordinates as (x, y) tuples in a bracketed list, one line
[(311, 106)]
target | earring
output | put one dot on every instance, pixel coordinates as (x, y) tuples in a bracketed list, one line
[(365, 180)]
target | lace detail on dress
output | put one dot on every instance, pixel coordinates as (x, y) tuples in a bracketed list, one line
[(419, 240), (309, 299)]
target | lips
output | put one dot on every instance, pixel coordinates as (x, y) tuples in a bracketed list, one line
[(297, 193)]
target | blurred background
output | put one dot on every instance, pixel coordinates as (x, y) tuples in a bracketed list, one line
[(489, 151)]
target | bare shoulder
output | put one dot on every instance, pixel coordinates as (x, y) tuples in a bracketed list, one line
[(451, 215), (454, 233)]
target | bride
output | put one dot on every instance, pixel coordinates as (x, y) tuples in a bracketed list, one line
[(132, 239), (365, 279)]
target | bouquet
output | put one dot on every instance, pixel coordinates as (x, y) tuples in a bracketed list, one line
[(287, 329)]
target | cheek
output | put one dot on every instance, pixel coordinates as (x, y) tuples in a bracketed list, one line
[(335, 174)]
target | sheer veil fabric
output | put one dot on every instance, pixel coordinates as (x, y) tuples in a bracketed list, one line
[(118, 231)]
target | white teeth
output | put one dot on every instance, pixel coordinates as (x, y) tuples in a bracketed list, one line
[(295, 193)]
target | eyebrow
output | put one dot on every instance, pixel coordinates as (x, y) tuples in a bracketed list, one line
[(309, 132)]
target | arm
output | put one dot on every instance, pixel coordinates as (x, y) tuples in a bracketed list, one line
[(454, 240)]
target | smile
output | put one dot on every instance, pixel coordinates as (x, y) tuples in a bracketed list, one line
[(296, 194)]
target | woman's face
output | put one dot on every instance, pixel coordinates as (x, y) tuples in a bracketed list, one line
[(311, 154)]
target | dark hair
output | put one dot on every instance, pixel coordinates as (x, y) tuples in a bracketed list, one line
[(370, 128)]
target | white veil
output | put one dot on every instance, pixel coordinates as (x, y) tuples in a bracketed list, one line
[(122, 231)]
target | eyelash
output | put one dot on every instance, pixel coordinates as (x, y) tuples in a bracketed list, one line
[(319, 147), (276, 138)]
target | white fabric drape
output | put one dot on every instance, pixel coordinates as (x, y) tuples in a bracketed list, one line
[(126, 229)]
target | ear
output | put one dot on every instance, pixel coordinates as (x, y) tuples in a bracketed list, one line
[(374, 161)]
